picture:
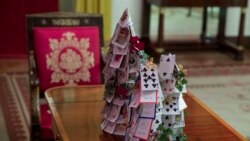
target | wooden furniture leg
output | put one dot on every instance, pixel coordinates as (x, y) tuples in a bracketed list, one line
[(204, 25), (240, 47), (161, 28), (145, 19), (221, 24)]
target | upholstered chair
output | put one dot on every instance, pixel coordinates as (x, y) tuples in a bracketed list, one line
[(64, 49)]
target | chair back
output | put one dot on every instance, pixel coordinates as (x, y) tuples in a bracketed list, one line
[(66, 48)]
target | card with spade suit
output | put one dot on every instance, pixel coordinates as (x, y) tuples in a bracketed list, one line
[(166, 66)]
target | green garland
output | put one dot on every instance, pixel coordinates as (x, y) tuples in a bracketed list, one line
[(163, 134)]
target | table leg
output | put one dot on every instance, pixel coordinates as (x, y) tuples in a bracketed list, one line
[(146, 11), (161, 28), (204, 25), (240, 47), (222, 24)]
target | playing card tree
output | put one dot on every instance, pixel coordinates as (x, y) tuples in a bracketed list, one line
[(121, 73)]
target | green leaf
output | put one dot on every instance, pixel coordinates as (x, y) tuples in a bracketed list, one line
[(179, 87), (183, 81), (182, 74)]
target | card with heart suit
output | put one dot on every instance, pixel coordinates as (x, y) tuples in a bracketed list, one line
[(166, 66), (148, 96), (118, 101), (171, 104), (110, 97), (147, 110), (121, 51), (121, 37), (116, 61), (135, 98), (125, 19), (120, 129), (143, 128), (149, 78), (168, 86), (110, 127), (104, 123), (114, 113), (106, 110), (129, 137)]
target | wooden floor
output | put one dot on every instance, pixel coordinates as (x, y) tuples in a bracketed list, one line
[(13, 65), (187, 58)]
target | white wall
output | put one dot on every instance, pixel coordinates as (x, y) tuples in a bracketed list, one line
[(135, 8), (233, 18)]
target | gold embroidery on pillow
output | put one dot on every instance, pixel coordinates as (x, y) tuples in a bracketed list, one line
[(69, 59)]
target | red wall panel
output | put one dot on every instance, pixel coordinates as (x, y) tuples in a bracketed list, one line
[(13, 40)]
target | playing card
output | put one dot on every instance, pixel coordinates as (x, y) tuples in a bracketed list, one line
[(159, 93), (149, 78), (104, 123), (124, 64), (133, 61), (125, 114), (182, 103), (148, 96), (118, 50), (143, 128), (109, 97), (116, 61), (125, 19), (118, 101), (168, 121), (159, 107), (110, 127), (121, 37), (179, 120), (157, 121), (122, 76), (106, 110), (171, 104), (114, 113), (129, 137), (135, 98), (147, 110), (120, 129), (166, 66), (168, 86)]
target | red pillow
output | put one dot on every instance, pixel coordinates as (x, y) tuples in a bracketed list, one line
[(67, 56)]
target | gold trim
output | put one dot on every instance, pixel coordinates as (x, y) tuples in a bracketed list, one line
[(66, 22)]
